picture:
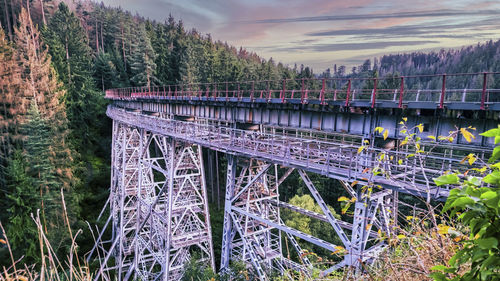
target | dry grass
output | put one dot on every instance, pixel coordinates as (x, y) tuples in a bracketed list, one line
[(411, 256), (51, 267)]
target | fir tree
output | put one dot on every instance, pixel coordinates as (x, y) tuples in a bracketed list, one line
[(9, 87), (47, 155), (68, 45), (143, 64), (34, 184)]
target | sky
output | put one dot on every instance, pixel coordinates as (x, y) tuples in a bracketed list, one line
[(320, 33)]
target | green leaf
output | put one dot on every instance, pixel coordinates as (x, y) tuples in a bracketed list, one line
[(495, 155), (493, 178), (487, 243), (446, 179), (438, 276), (438, 267), (491, 133), (462, 202), (488, 195), (474, 181)]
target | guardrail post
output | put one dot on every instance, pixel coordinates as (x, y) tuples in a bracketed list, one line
[(302, 92), (348, 92), (401, 90), (483, 94), (251, 93), (443, 91), (268, 91), (322, 93), (283, 93), (374, 92), (227, 92)]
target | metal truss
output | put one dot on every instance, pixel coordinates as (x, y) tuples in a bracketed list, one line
[(253, 227), (245, 238), (158, 207)]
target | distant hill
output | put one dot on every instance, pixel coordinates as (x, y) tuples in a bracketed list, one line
[(471, 59)]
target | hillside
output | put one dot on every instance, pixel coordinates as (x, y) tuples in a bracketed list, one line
[(470, 59)]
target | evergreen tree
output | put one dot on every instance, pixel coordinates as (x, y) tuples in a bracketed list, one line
[(9, 87), (34, 185), (105, 72), (72, 60), (47, 155), (22, 200), (143, 64), (38, 78)]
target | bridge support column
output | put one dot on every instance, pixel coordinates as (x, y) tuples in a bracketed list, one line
[(123, 195), (371, 210), (158, 205), (247, 237)]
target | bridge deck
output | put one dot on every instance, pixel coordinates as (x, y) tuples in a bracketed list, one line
[(333, 159)]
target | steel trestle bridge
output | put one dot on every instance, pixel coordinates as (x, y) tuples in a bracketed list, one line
[(268, 130)]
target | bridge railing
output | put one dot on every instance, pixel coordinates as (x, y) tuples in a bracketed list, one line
[(479, 88)]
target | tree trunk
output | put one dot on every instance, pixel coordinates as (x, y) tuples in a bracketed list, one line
[(12, 13), (102, 40), (67, 60), (123, 49), (43, 13), (7, 19), (96, 39)]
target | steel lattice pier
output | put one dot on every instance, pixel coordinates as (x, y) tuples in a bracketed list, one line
[(158, 206)]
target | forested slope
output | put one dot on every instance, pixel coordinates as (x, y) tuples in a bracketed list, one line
[(483, 57), (55, 61)]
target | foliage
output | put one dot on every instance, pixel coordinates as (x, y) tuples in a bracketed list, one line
[(196, 270), (9, 103), (309, 225), (34, 184), (476, 204)]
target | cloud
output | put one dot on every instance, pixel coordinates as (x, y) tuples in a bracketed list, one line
[(430, 30), (348, 46), (420, 14)]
